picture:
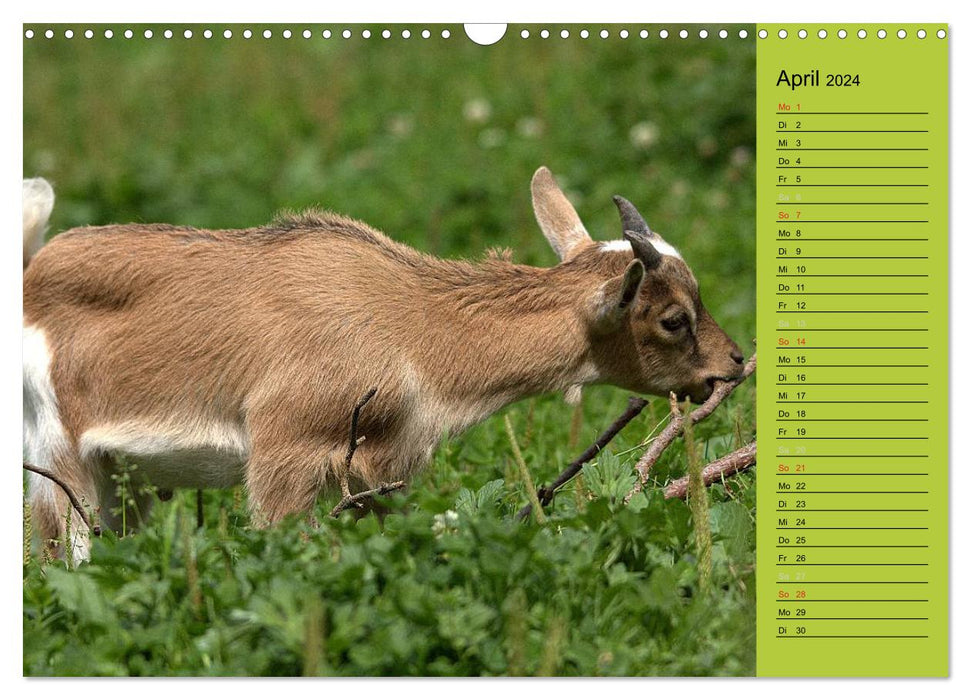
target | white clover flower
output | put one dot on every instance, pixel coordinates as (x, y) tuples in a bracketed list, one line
[(717, 199), (530, 127), (400, 125), (477, 111), (741, 156), (45, 161), (492, 138), (445, 522), (643, 135), (679, 188)]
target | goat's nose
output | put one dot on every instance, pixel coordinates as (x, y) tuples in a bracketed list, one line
[(737, 356)]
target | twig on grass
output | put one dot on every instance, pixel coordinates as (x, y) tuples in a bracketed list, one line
[(348, 499), (353, 442), (355, 500), (738, 461), (634, 407), (70, 495), (674, 428)]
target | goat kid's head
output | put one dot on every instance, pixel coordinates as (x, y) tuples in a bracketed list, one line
[(648, 330)]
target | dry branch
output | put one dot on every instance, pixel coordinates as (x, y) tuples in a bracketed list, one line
[(348, 499), (70, 495), (353, 442), (729, 465), (355, 500), (634, 407), (674, 428)]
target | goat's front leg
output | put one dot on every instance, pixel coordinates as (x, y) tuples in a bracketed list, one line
[(284, 476)]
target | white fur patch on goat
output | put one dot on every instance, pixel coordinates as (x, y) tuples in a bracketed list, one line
[(44, 434), (661, 246), (175, 455)]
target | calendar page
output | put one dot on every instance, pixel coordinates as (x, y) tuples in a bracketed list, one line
[(550, 349)]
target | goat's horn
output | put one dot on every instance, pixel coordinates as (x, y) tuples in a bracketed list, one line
[(630, 218), (638, 233)]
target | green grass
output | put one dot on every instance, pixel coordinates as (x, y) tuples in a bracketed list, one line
[(434, 143)]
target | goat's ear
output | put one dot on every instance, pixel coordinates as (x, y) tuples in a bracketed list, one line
[(614, 298), (556, 216)]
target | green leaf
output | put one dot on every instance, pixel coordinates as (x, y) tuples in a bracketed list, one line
[(77, 593)]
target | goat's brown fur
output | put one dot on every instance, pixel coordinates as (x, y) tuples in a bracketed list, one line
[(258, 342)]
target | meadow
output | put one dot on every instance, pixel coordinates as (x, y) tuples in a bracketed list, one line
[(432, 141)]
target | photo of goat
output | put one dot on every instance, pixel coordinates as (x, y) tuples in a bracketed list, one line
[(296, 303), (456, 291)]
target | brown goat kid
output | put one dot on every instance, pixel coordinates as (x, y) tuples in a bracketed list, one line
[(211, 358)]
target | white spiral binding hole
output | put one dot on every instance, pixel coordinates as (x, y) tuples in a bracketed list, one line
[(842, 33), (446, 34)]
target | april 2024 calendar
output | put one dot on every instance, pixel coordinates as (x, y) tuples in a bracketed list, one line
[(852, 290), (800, 170)]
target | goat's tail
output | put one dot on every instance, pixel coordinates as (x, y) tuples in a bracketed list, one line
[(38, 204)]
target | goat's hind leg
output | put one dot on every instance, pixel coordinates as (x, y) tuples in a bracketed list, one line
[(51, 510)]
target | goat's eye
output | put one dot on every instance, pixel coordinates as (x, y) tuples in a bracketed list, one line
[(675, 322)]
